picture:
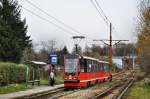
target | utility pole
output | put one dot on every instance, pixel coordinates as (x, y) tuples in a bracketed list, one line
[(106, 20), (110, 47), (110, 50)]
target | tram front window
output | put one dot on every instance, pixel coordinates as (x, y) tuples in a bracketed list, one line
[(70, 66)]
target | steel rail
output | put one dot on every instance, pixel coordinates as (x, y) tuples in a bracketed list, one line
[(125, 90), (44, 94), (108, 91), (63, 94)]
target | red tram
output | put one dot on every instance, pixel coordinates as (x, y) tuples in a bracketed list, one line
[(83, 71)]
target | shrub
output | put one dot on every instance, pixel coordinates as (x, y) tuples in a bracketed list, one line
[(11, 73)]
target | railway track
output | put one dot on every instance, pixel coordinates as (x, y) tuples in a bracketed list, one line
[(45, 95), (116, 74), (52, 94), (124, 91), (64, 94), (61, 92), (116, 91)]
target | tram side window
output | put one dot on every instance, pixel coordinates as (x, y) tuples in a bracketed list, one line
[(82, 65), (93, 66), (92, 69), (85, 65), (96, 67), (99, 67), (102, 67), (89, 66), (106, 67)]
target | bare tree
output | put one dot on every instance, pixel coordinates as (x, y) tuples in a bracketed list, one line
[(144, 35), (87, 51), (49, 45), (124, 49)]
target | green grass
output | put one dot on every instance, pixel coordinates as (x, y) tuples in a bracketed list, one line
[(6, 63), (13, 88), (43, 82), (21, 87), (139, 90), (58, 80)]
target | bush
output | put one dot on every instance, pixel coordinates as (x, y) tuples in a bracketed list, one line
[(11, 73), (140, 75)]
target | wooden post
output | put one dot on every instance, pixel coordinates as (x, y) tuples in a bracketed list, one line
[(27, 75), (33, 76)]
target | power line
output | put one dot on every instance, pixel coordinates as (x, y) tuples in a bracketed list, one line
[(98, 11), (44, 19), (57, 20), (53, 17), (47, 21), (102, 11), (110, 39), (102, 14)]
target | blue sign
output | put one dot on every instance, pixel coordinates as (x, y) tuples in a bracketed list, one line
[(53, 58)]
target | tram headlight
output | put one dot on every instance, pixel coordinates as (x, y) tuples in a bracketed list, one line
[(70, 76)]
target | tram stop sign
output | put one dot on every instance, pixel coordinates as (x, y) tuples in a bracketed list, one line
[(53, 58)]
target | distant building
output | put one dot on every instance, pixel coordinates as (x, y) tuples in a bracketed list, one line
[(118, 62), (129, 62), (125, 62)]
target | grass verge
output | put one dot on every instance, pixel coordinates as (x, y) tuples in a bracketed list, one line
[(13, 88), (58, 80), (139, 90)]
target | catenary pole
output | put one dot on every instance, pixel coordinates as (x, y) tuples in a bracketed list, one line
[(110, 50)]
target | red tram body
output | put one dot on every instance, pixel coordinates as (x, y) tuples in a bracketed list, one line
[(82, 71)]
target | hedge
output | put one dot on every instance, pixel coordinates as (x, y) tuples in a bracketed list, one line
[(11, 73)]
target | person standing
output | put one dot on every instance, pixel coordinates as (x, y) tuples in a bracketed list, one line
[(52, 80)]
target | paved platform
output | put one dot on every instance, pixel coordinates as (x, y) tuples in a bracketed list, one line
[(30, 92)]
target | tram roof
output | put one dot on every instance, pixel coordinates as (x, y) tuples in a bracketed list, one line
[(91, 58), (104, 62)]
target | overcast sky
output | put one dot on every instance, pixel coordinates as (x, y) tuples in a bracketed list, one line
[(82, 16)]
